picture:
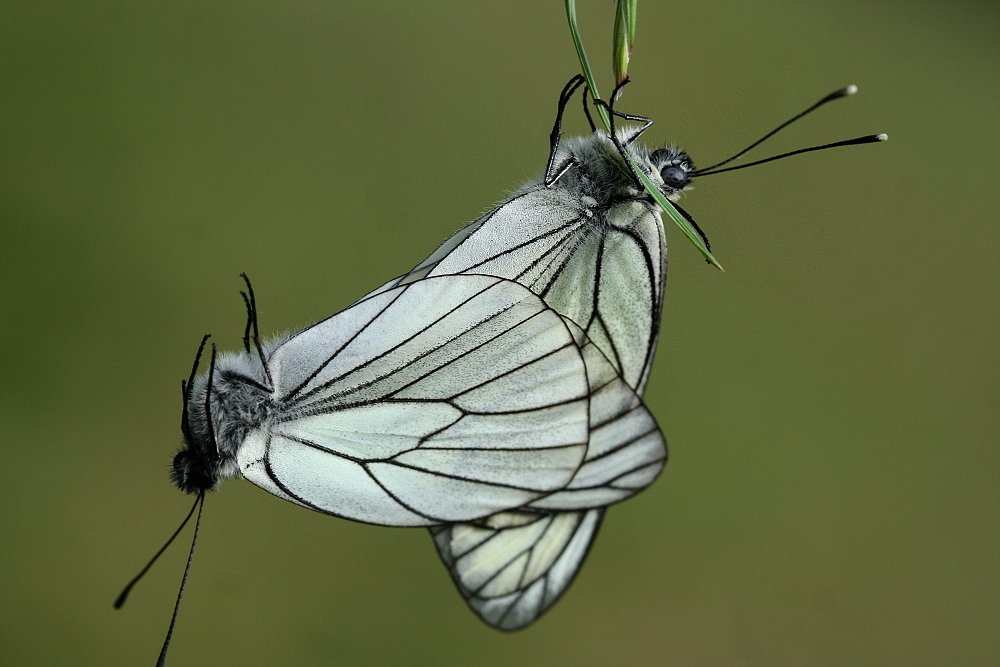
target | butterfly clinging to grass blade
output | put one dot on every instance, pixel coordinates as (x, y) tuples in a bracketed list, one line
[(589, 241), (587, 238)]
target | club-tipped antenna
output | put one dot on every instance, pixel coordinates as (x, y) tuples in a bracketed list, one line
[(200, 503), (870, 139), (836, 95), (120, 600)]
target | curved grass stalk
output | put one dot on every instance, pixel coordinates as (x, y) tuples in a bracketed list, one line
[(624, 37)]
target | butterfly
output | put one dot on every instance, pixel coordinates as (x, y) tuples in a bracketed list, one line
[(588, 240), (446, 399)]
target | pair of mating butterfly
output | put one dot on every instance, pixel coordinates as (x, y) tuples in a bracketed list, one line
[(491, 394)]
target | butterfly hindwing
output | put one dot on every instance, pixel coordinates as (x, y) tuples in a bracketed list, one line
[(626, 450), (513, 566), (499, 564)]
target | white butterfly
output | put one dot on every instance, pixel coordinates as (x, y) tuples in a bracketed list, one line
[(589, 241), (447, 399)]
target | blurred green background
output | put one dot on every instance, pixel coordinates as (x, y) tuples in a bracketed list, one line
[(830, 401)]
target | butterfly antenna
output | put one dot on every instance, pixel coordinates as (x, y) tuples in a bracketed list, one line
[(870, 139), (251, 303), (553, 173), (214, 453), (120, 600), (200, 504), (188, 387), (836, 95)]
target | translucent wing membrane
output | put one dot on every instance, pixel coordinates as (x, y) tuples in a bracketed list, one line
[(601, 268), (512, 567), (626, 451), (447, 399)]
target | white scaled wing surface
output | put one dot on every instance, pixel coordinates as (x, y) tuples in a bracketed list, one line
[(448, 399), (512, 567), (515, 565), (603, 269), (626, 450)]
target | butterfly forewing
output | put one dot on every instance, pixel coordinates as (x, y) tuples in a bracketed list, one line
[(603, 269), (470, 398)]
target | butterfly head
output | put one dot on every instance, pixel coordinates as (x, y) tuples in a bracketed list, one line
[(191, 473), (671, 169), (195, 468), (220, 408)]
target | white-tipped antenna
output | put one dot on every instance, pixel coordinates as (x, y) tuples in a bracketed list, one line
[(869, 139), (836, 95)]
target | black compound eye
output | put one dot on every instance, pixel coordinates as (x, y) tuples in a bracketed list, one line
[(674, 177)]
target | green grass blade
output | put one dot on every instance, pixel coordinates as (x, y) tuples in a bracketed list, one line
[(627, 26), (624, 37), (678, 219), (588, 73)]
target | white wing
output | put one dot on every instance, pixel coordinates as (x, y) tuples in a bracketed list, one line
[(626, 451), (512, 567), (604, 270), (446, 399), (605, 274)]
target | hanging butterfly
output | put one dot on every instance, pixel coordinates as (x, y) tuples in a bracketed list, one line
[(588, 239), (590, 243), (448, 399)]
